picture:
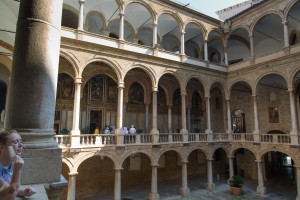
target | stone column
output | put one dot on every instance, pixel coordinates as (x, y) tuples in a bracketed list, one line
[(119, 129), (121, 31), (184, 190), (147, 118), (124, 114), (189, 120), (229, 129), (32, 91), (294, 128), (286, 33), (154, 35), (182, 52), (75, 141), (298, 182), (170, 119), (210, 183), (72, 186), (154, 131), (81, 17), (260, 188), (117, 189), (183, 130), (256, 124), (154, 195), (225, 57), (205, 51), (208, 130), (251, 47), (231, 167)]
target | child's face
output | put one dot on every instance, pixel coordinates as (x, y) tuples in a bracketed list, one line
[(15, 141)]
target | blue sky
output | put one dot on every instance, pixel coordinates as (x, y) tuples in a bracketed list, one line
[(209, 7)]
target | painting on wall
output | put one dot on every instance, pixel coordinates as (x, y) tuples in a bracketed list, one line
[(65, 87), (273, 115), (96, 88), (112, 96), (136, 94)]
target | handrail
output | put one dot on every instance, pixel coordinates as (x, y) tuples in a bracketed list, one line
[(101, 140)]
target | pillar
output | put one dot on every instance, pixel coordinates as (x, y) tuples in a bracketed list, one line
[(231, 167), (182, 52), (208, 124), (154, 35), (154, 131), (121, 33), (189, 120), (225, 57), (72, 186), (154, 195), (81, 17), (260, 188), (183, 131), (119, 129), (286, 34), (32, 91), (210, 184), (256, 124), (147, 118), (229, 128), (294, 128), (75, 141), (298, 182), (117, 187), (205, 51), (170, 119), (184, 190), (251, 46)]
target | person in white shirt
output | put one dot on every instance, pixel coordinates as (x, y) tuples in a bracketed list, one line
[(132, 130)]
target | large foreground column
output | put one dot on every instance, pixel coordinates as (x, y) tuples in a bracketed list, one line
[(32, 92)]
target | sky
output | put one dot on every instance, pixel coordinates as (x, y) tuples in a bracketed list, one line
[(209, 7)]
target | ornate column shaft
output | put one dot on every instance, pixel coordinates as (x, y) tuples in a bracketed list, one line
[(121, 33), (154, 195), (34, 78), (154, 34), (81, 17), (260, 188), (286, 34), (117, 187), (205, 51), (75, 141), (210, 184), (72, 186), (231, 167), (184, 190), (229, 129), (182, 52), (170, 119)]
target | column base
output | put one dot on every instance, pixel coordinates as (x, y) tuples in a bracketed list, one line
[(184, 191), (153, 196), (261, 190), (55, 189), (210, 187)]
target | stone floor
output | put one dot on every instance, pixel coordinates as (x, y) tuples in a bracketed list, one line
[(281, 187)]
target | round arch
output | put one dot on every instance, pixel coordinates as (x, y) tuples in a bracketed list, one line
[(148, 6), (277, 149), (198, 24), (261, 76), (129, 153), (72, 61), (174, 15), (181, 154), (231, 85)]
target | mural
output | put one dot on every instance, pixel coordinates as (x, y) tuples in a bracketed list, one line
[(96, 88), (65, 88), (112, 96), (136, 94)]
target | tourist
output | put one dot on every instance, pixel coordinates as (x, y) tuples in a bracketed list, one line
[(132, 130), (11, 163)]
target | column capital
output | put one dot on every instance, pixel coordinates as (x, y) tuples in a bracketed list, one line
[(258, 161), (78, 81), (209, 159), (155, 24), (155, 165), (121, 85), (121, 14), (285, 22), (182, 32), (290, 89), (154, 89), (81, 1), (73, 173), (118, 168), (183, 93), (254, 95)]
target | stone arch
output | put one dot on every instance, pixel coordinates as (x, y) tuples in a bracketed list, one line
[(112, 22), (134, 151), (179, 152), (148, 6), (150, 72), (235, 148), (174, 15), (69, 163), (216, 147), (264, 14), (222, 87), (242, 26), (277, 149), (166, 91), (288, 8), (230, 86), (180, 80), (191, 149), (100, 15), (198, 24), (114, 65), (72, 60), (291, 78), (261, 76)]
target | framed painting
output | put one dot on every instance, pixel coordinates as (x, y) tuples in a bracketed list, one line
[(273, 115)]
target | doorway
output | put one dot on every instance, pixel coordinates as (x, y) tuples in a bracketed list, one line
[(96, 120)]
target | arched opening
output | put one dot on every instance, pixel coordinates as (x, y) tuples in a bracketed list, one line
[(238, 121)]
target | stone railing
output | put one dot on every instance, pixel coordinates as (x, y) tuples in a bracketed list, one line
[(91, 140)]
